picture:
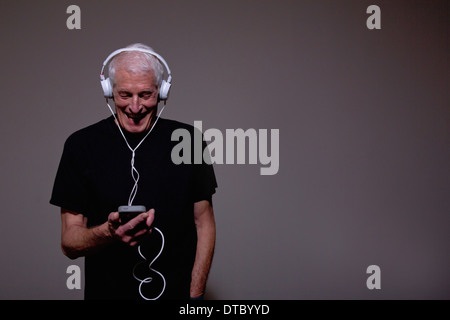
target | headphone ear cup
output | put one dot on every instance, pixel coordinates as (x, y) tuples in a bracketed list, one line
[(107, 88), (164, 90)]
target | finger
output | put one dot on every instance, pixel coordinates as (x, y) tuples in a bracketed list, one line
[(138, 219), (151, 217), (136, 224), (140, 232), (139, 236)]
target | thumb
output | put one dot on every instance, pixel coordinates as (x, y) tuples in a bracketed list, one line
[(113, 219)]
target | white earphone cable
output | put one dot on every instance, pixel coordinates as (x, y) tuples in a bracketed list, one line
[(134, 172), (135, 176), (150, 279)]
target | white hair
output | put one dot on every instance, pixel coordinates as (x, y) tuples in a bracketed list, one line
[(137, 62)]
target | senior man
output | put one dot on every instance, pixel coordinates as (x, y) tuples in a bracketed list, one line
[(131, 151)]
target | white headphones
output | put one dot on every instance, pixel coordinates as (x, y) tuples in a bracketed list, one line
[(107, 85)]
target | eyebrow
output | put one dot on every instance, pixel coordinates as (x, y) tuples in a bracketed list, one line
[(142, 91)]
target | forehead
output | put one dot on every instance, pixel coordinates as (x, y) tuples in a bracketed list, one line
[(128, 79)]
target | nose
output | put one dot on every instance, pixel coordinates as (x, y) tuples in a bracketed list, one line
[(135, 105)]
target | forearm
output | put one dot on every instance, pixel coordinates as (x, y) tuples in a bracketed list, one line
[(206, 236), (78, 240)]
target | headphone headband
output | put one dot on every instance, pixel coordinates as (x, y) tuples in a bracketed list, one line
[(107, 85)]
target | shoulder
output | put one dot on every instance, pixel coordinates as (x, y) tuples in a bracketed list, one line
[(89, 133), (168, 127), (171, 125), (92, 130)]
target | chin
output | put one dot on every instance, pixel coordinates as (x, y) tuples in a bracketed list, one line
[(136, 128), (131, 126), (133, 129)]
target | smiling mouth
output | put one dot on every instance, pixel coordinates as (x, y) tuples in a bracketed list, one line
[(136, 117)]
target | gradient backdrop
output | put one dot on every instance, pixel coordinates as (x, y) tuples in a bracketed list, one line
[(364, 137)]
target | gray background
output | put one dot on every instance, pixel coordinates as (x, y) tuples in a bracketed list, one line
[(364, 137)]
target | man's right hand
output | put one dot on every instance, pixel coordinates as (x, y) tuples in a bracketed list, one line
[(134, 230)]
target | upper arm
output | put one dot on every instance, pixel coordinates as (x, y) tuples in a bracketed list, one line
[(72, 218), (203, 212)]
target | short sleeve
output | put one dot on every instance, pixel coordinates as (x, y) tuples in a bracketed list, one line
[(70, 186), (205, 182)]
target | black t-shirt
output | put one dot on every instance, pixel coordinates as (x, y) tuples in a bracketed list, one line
[(94, 179)]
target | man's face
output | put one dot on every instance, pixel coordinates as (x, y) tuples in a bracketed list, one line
[(136, 100)]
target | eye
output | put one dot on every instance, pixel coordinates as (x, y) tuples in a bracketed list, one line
[(146, 95), (124, 94)]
